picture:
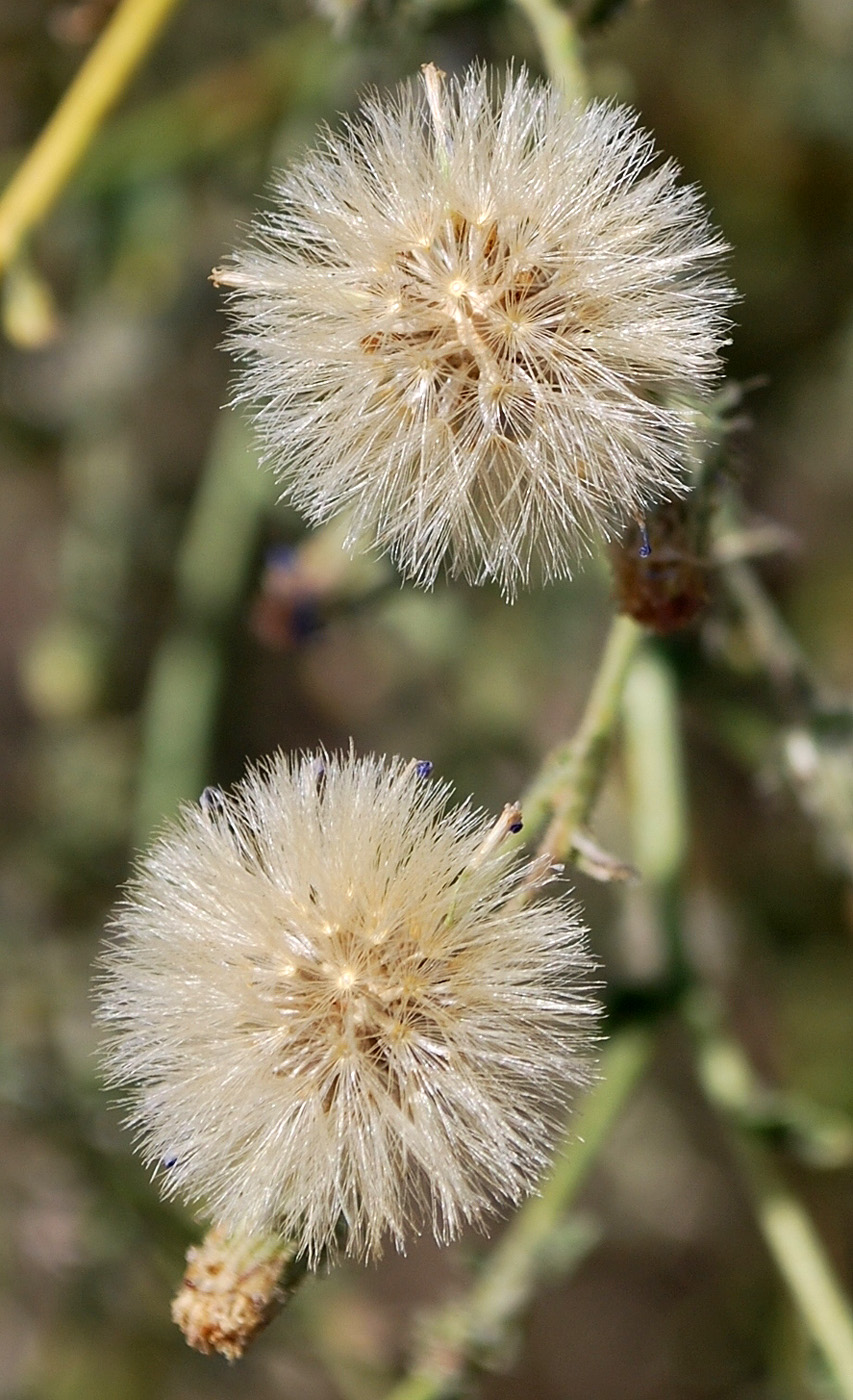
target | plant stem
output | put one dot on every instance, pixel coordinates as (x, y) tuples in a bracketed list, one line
[(48, 166), (730, 1085), (654, 764), (571, 775), (557, 36), (817, 748), (772, 645), (724, 1069), (465, 1336), (802, 1262), (183, 691), (655, 769)]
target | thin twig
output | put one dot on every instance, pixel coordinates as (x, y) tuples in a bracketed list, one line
[(570, 778), (180, 706), (774, 648), (654, 768), (102, 79), (787, 1230), (466, 1336), (817, 748), (795, 1246)]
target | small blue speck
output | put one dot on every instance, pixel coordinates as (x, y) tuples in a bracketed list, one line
[(516, 828), (645, 542), (423, 768)]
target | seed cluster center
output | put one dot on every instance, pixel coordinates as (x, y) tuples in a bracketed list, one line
[(462, 316), (353, 995)]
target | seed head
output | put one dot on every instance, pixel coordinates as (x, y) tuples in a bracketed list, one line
[(479, 320), (334, 1008)]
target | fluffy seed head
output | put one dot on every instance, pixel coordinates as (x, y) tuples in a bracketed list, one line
[(332, 1009), (479, 320)]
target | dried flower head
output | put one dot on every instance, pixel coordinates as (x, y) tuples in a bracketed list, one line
[(333, 1009), (479, 320)]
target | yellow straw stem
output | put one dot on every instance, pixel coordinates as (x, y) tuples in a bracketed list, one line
[(46, 169)]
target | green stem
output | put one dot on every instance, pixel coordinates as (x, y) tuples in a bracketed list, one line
[(654, 765), (772, 645), (802, 1262), (817, 750), (571, 776), (469, 1333), (653, 758), (818, 1136), (794, 1244), (46, 169), (653, 746), (183, 691), (557, 36)]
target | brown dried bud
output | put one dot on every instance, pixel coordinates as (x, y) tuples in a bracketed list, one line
[(233, 1287), (660, 566)]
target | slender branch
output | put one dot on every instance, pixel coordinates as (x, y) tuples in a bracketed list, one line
[(183, 690), (817, 750), (774, 649), (794, 1244), (817, 1136), (467, 1335), (48, 166), (772, 645), (557, 36), (724, 1069), (802, 1262), (655, 768), (654, 764), (571, 776)]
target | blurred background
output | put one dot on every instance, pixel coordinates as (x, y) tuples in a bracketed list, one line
[(164, 619)]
